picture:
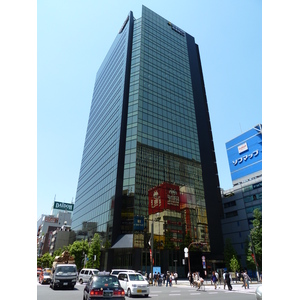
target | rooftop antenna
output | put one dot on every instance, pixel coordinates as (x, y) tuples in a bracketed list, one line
[(241, 128)]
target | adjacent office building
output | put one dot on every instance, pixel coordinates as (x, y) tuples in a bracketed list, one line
[(148, 158), (245, 162), (47, 224)]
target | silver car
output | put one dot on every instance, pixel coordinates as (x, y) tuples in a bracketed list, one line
[(258, 293)]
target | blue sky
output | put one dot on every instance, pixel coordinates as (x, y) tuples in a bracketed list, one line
[(73, 38)]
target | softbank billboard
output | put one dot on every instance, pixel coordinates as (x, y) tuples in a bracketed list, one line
[(245, 153)]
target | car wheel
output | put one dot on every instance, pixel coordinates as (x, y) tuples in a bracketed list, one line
[(81, 281), (129, 293), (147, 295)]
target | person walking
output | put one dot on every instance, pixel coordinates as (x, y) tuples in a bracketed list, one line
[(227, 279), (190, 278), (175, 277), (242, 277), (246, 279), (214, 279), (217, 275), (171, 279), (224, 279), (167, 278)]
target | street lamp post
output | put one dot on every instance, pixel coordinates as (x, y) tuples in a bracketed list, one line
[(152, 242)]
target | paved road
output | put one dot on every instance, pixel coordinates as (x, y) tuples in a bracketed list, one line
[(180, 291)]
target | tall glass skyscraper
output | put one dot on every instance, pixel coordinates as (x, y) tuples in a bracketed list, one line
[(148, 159)]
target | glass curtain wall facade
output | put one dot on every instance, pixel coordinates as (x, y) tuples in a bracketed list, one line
[(95, 196), (142, 161)]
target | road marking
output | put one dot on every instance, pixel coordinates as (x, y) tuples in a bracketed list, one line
[(194, 294), (174, 294)]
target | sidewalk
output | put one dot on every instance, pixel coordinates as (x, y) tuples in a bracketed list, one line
[(208, 286)]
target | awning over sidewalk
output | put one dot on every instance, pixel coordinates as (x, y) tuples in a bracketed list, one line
[(123, 241)]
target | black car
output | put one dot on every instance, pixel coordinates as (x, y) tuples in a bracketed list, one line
[(103, 286)]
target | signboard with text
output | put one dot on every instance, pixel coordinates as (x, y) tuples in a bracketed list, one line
[(162, 197), (63, 206), (245, 153)]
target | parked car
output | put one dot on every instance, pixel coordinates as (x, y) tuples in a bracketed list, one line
[(134, 284), (258, 293), (45, 277), (103, 286), (85, 274)]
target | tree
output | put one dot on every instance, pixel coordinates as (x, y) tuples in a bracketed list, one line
[(229, 252), (45, 261), (234, 264), (255, 242), (169, 244), (94, 252), (78, 249), (187, 240)]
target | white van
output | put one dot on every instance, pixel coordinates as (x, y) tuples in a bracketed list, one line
[(134, 284), (117, 271), (85, 274)]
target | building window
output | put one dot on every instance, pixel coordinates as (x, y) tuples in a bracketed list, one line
[(230, 204), (231, 214)]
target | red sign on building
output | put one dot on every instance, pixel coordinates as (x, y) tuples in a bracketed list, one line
[(163, 197)]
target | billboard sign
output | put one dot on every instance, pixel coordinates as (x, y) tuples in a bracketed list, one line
[(162, 197), (245, 153), (63, 206), (138, 223)]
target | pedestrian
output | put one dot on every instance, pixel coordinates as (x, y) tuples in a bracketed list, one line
[(214, 279), (175, 277), (224, 280), (246, 279), (167, 278), (171, 279), (242, 278), (190, 278), (227, 279), (217, 275)]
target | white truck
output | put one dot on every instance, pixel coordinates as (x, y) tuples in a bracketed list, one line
[(64, 272)]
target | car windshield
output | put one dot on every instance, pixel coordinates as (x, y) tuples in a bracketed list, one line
[(136, 277), (105, 281), (66, 269), (46, 273)]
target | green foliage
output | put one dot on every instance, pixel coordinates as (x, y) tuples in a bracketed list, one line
[(169, 245), (188, 240), (94, 249), (255, 241), (78, 249), (234, 264), (229, 252), (45, 261)]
